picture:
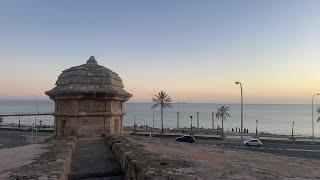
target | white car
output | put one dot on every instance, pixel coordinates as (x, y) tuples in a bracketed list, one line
[(252, 142)]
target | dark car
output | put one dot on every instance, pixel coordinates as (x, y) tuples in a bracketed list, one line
[(186, 138)]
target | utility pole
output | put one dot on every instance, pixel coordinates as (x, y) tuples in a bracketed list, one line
[(198, 120)]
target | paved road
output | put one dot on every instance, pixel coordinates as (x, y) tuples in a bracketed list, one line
[(92, 159), (311, 151), (296, 150), (9, 139)]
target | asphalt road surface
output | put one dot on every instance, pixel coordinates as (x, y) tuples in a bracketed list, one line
[(9, 139), (296, 150)]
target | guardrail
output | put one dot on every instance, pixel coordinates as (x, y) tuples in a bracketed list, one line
[(26, 114)]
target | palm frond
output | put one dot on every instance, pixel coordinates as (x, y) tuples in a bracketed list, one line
[(161, 99), (222, 112), (154, 106), (168, 105)]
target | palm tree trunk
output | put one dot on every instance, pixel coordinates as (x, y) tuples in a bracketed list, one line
[(161, 119), (222, 132)]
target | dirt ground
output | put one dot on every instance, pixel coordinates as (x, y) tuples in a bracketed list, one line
[(210, 162), (12, 158)]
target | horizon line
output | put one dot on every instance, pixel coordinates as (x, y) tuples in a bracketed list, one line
[(145, 102)]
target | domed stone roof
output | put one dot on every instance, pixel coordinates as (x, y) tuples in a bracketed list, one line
[(89, 78)]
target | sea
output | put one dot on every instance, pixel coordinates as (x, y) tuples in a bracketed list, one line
[(272, 118)]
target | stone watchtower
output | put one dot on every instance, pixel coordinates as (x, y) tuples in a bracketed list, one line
[(88, 101)]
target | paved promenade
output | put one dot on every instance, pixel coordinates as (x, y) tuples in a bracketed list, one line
[(92, 159), (10, 139)]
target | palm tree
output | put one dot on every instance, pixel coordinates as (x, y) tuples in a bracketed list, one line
[(163, 100), (222, 113)]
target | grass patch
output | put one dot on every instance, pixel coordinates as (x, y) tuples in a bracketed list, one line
[(22, 129), (10, 129)]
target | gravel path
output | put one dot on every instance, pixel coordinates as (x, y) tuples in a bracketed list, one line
[(213, 162), (18, 156)]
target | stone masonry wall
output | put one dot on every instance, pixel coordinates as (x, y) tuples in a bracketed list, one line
[(88, 117), (54, 164), (138, 164)]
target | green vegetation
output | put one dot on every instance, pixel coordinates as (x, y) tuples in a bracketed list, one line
[(163, 100), (222, 113), (10, 129)]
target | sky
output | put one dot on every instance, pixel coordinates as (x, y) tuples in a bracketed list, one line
[(193, 50)]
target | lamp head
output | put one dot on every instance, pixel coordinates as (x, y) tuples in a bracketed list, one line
[(318, 94), (237, 82)]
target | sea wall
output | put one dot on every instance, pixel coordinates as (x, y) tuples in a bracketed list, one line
[(137, 163), (53, 164)]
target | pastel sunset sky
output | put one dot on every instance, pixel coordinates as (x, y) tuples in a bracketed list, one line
[(194, 50)]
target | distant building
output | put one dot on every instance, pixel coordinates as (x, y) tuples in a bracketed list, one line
[(88, 101)]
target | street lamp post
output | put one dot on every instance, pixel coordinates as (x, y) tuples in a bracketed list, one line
[(35, 117), (36, 100), (313, 116), (239, 83)]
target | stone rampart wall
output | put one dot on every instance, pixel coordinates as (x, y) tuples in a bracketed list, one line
[(54, 164), (138, 164)]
